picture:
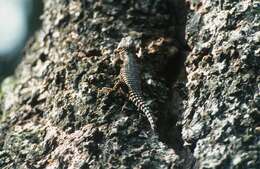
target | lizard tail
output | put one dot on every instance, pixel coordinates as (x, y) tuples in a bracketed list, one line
[(138, 101)]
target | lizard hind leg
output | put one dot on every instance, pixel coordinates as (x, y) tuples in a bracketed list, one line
[(108, 90)]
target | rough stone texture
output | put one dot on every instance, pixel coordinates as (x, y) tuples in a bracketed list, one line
[(54, 113), (222, 117)]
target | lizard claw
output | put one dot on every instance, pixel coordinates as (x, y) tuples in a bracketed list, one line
[(108, 90), (105, 90)]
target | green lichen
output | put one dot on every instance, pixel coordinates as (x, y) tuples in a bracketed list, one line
[(1, 100), (6, 86)]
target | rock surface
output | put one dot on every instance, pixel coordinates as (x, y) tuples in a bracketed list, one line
[(221, 119), (55, 115)]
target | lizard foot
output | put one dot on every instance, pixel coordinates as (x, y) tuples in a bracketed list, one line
[(105, 90), (108, 90)]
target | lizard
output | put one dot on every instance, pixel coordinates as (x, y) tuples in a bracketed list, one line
[(130, 76)]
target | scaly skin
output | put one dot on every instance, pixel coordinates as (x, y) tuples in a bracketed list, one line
[(130, 75)]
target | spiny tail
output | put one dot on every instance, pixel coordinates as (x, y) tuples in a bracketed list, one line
[(138, 101)]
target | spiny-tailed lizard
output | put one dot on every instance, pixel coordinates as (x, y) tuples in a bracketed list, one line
[(130, 75)]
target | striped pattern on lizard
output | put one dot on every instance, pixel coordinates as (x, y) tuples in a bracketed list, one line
[(130, 75)]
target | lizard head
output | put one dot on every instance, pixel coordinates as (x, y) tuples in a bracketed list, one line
[(129, 44), (126, 42)]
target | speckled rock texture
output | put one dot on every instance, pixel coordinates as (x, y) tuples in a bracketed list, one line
[(54, 113), (221, 120)]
